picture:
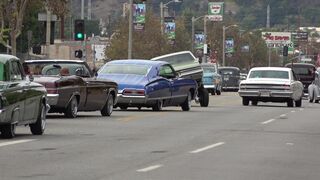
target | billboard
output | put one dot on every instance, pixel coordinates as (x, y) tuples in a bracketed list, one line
[(139, 16), (215, 11), (278, 40), (229, 46), (170, 29), (199, 39)]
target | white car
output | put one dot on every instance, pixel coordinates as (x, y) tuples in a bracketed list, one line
[(314, 89), (271, 84)]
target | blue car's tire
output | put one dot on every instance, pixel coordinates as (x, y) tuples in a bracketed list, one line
[(158, 106), (186, 105)]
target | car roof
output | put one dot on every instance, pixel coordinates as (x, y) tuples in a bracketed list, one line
[(271, 68), (54, 60), (6, 57), (228, 67), (300, 64), (172, 54), (137, 62)]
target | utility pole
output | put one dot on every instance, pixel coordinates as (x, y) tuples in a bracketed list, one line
[(268, 17), (161, 16), (89, 9), (82, 9), (205, 36), (130, 30)]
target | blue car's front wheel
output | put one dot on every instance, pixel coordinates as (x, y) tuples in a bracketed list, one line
[(186, 105), (158, 105)]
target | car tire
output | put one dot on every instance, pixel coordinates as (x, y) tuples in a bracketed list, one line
[(108, 107), (123, 107), (8, 131), (218, 92), (254, 103), (245, 101), (213, 92), (72, 108), (290, 103), (39, 126), (311, 98), (158, 106), (316, 101), (298, 103), (204, 97), (186, 105)]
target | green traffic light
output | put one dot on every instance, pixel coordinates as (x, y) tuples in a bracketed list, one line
[(80, 36)]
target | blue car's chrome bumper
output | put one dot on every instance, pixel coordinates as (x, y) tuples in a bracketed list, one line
[(125, 99)]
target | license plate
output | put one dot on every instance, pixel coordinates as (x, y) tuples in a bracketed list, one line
[(265, 93)]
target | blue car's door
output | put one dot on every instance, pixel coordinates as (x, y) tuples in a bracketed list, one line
[(177, 91)]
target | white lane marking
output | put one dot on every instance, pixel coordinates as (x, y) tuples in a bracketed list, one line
[(301, 109), (269, 121), (15, 142), (150, 168), (293, 111), (207, 147)]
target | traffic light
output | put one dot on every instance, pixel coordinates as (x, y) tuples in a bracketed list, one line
[(285, 51), (79, 30), (78, 53)]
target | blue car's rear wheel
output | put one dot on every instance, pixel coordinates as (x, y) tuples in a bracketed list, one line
[(186, 105)]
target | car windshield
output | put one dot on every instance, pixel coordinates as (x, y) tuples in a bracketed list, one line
[(269, 74), (209, 69), (126, 69), (53, 68)]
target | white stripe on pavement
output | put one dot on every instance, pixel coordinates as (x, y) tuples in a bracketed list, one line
[(269, 121), (150, 168), (15, 142), (207, 147)]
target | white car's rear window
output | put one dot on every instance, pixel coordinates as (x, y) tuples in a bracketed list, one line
[(269, 74)]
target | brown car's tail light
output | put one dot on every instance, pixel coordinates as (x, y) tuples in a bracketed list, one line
[(51, 88)]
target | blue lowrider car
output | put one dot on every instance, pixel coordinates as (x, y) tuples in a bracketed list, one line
[(145, 83), (211, 78)]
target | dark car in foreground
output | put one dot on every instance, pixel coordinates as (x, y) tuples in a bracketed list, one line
[(187, 66), (73, 87), (145, 83), (230, 78), (22, 102), (211, 78)]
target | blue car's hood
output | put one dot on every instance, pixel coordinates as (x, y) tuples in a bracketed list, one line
[(126, 81)]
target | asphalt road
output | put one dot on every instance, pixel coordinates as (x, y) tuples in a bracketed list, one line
[(225, 141)]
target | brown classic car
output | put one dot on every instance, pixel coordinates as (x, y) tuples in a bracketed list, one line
[(22, 102), (73, 87)]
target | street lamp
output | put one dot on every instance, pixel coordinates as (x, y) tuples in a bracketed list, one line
[(224, 28), (161, 11), (130, 30)]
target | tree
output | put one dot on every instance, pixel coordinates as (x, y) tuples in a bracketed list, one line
[(60, 8), (12, 14)]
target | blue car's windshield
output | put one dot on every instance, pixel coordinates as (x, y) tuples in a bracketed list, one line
[(209, 69), (126, 69), (269, 74)]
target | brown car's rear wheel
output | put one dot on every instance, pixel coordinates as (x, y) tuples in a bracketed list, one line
[(108, 107), (72, 108)]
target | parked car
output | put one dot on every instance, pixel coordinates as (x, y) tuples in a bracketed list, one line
[(305, 73), (187, 66), (314, 89), (271, 84), (211, 78), (73, 87), (22, 101), (145, 83), (230, 78)]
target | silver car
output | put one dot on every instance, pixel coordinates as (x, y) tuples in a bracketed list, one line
[(271, 84), (314, 89)]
